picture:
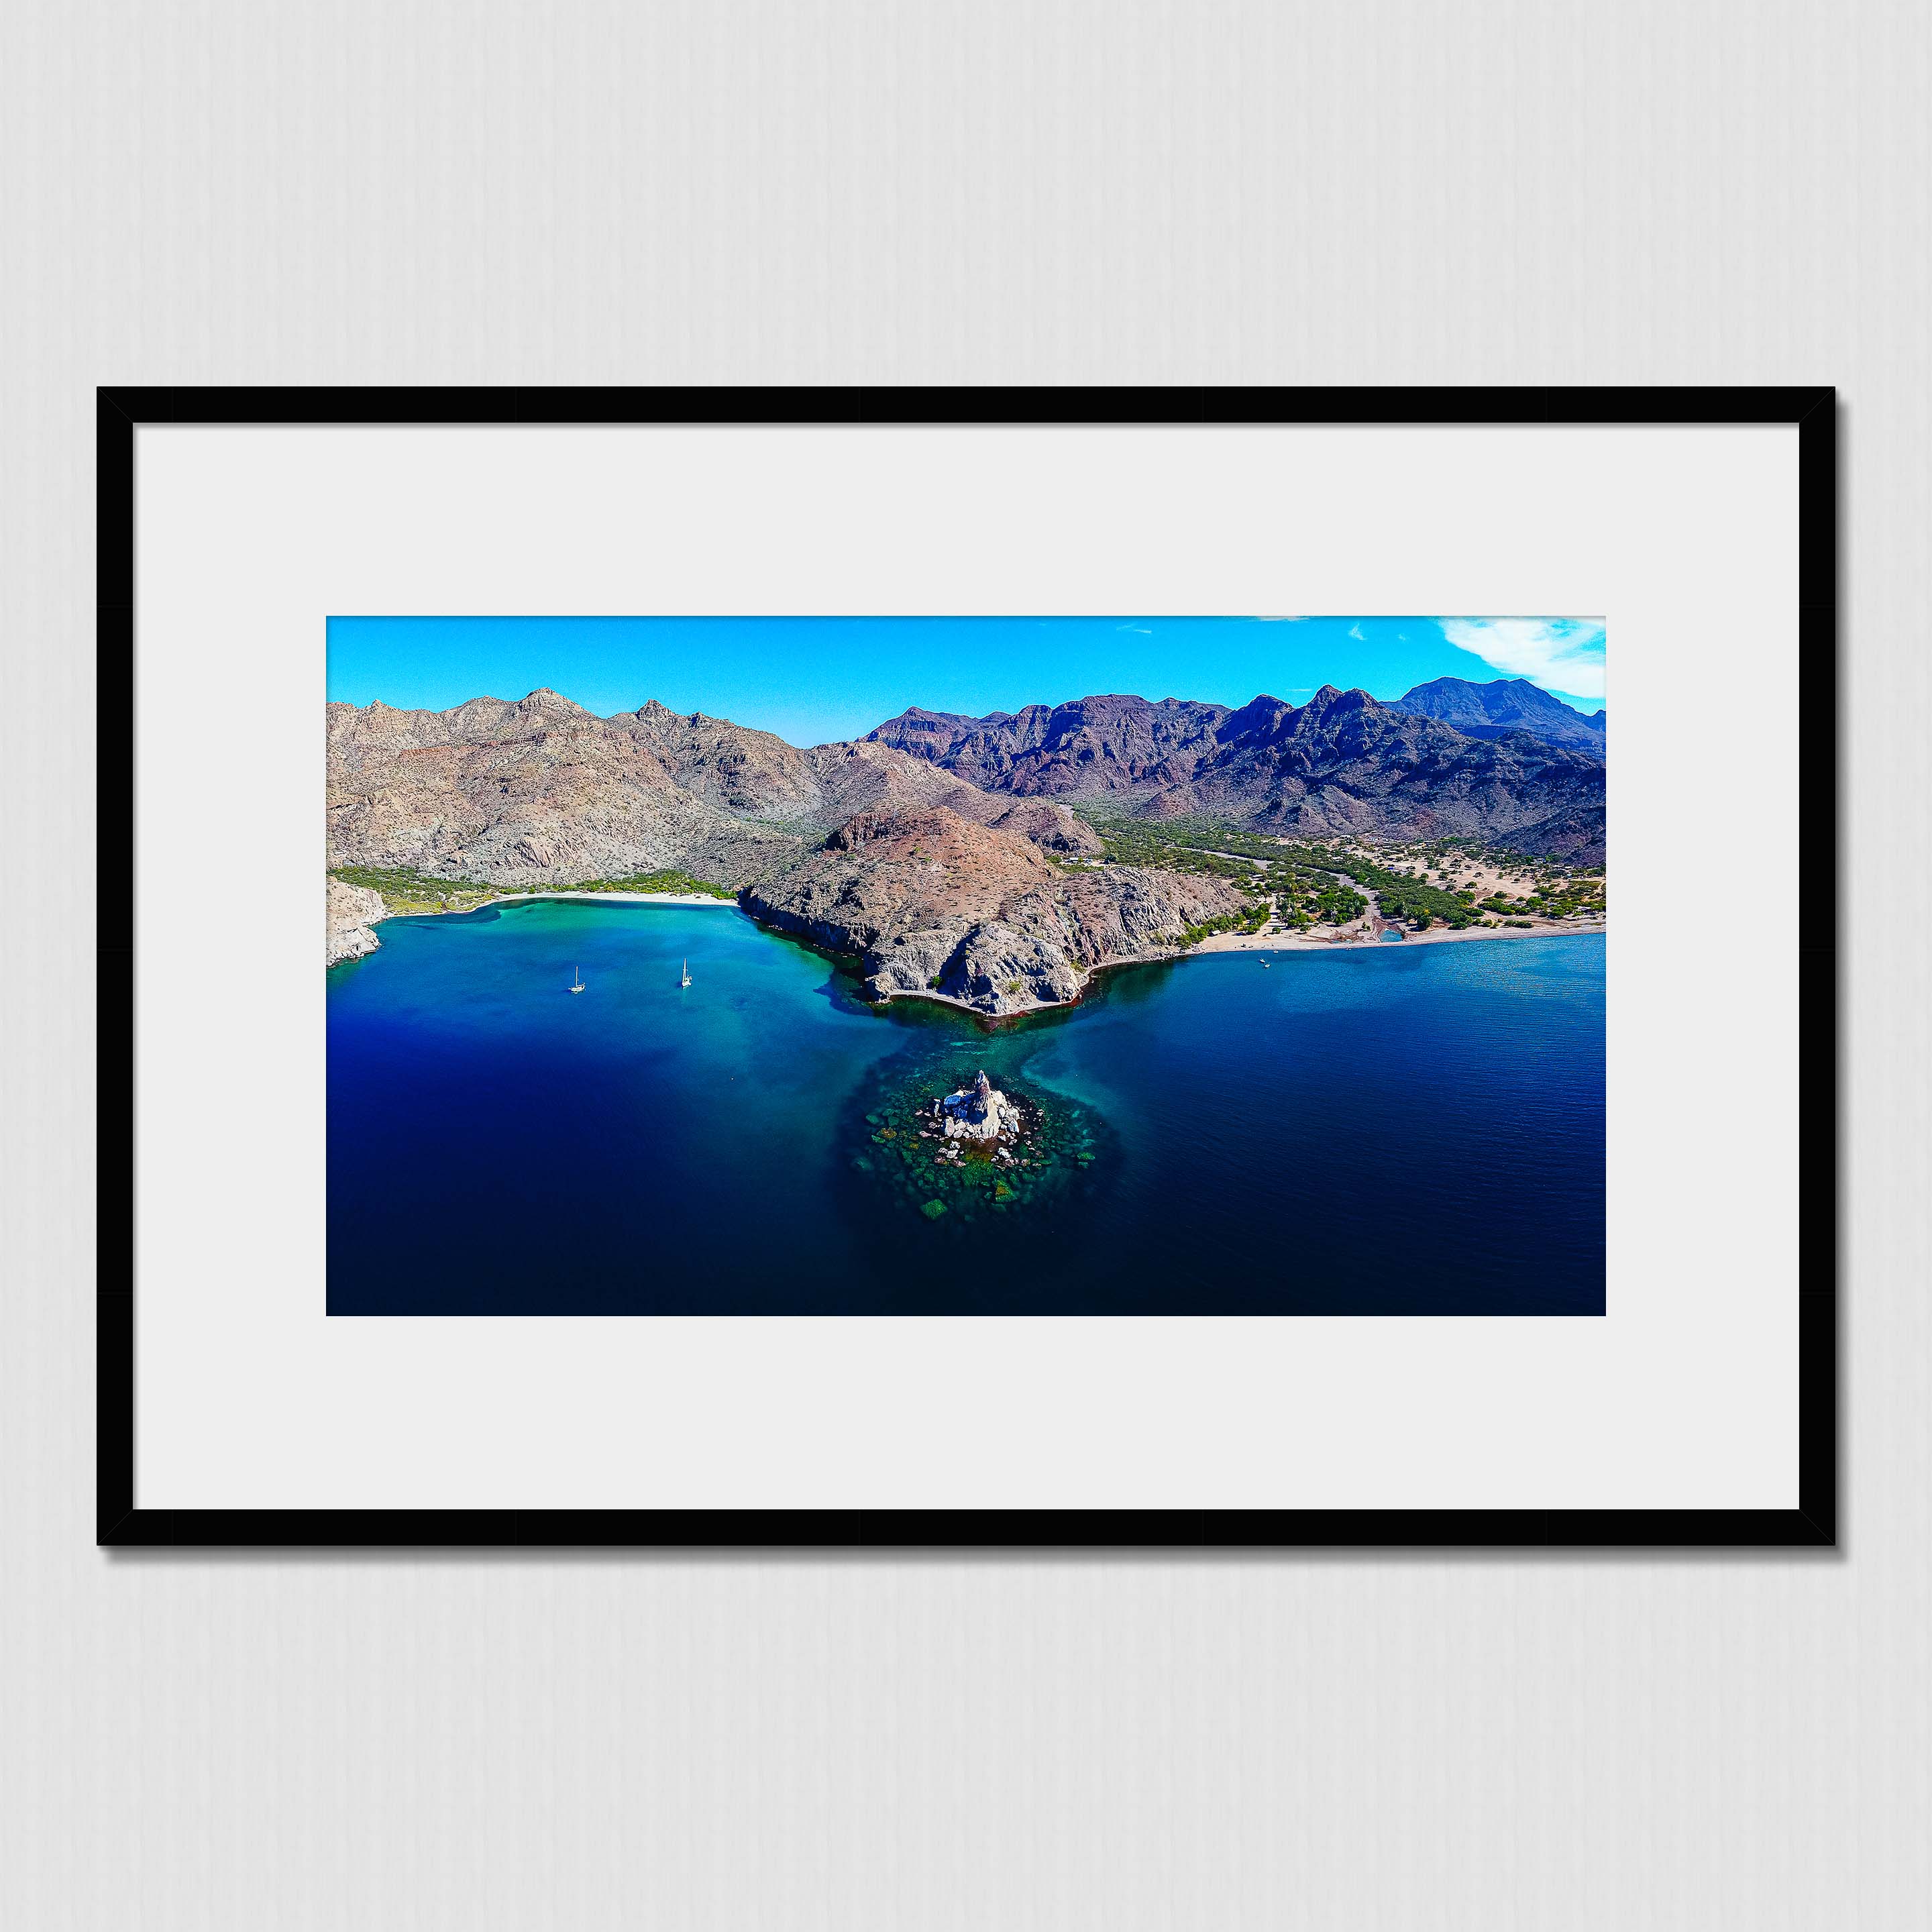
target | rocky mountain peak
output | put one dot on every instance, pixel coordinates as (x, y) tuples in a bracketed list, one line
[(1331, 698), (1501, 707), (1260, 717)]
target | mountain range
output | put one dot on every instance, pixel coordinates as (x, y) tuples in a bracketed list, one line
[(925, 847), (1342, 762), (541, 791)]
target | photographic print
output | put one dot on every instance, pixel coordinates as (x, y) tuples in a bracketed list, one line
[(996, 924), (1163, 965)]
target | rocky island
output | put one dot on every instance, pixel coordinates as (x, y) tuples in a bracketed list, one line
[(980, 1112), (960, 1151)]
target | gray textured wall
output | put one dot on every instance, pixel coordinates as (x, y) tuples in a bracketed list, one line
[(1670, 191)]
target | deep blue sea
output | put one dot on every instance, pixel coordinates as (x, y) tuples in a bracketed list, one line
[(1403, 1130)]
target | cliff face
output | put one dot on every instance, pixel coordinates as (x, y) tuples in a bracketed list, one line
[(351, 911), (932, 902), (1342, 762)]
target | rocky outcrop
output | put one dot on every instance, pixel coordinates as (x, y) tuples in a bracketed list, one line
[(979, 1113), (933, 902), (352, 911)]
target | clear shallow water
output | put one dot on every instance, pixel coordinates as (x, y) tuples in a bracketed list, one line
[(1393, 1130)]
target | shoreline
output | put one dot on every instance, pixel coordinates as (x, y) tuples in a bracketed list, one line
[(1229, 942), (564, 892), (1220, 942), (1255, 942)]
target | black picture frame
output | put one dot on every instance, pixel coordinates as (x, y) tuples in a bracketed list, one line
[(1813, 1524)]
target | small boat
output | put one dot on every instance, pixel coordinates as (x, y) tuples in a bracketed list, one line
[(577, 984), (686, 980)]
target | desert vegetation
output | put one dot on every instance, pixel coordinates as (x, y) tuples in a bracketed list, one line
[(1454, 882)]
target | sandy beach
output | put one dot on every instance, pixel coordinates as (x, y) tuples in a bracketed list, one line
[(628, 899), (1437, 935), (562, 893)]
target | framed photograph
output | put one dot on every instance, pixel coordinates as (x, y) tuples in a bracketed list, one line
[(968, 967)]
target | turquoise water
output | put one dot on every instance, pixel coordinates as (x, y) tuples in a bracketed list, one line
[(1394, 1130)]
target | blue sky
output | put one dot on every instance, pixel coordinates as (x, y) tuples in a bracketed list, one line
[(815, 680)]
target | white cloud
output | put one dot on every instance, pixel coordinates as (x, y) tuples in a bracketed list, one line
[(1142, 629), (1355, 631), (1564, 654)]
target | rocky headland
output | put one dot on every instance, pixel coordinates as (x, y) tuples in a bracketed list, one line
[(932, 903), (351, 911)]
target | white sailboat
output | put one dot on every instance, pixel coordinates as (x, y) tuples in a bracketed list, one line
[(577, 979), (686, 980)]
